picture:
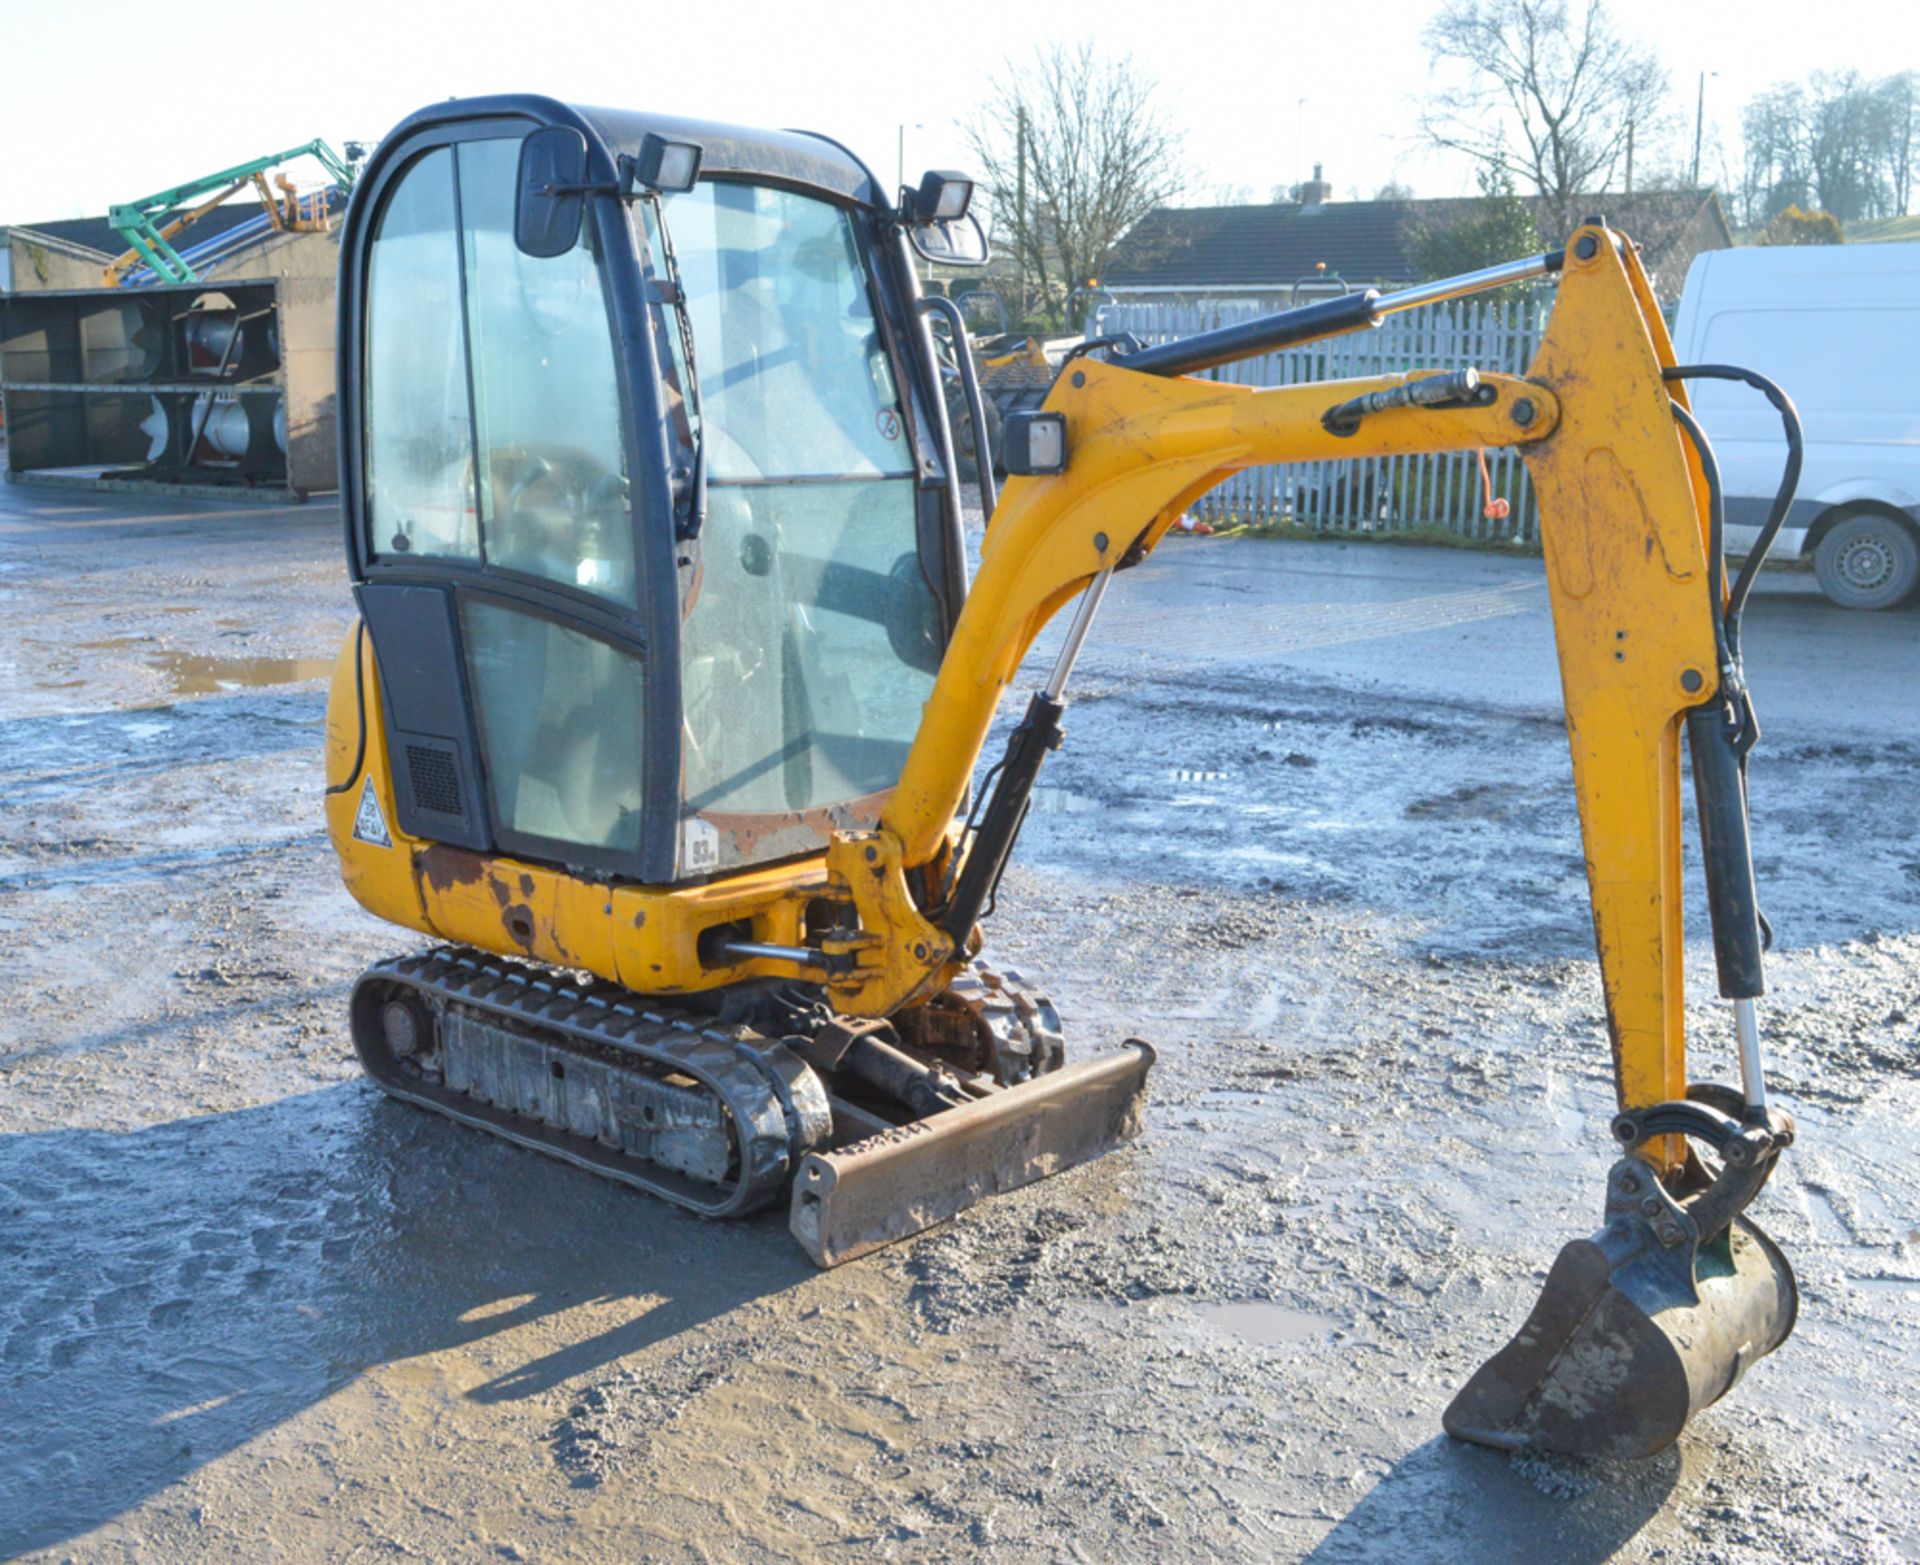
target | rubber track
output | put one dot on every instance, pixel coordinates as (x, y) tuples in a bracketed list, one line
[(777, 1107)]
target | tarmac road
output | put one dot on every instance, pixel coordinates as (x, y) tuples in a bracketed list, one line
[(1312, 831)]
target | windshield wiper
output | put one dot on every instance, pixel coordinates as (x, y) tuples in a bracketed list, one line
[(690, 500)]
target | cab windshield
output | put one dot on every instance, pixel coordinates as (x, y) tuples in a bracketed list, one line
[(811, 633)]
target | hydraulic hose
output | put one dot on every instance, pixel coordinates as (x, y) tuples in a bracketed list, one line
[(1783, 497), (1723, 644)]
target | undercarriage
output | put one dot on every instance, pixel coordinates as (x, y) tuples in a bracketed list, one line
[(725, 1108)]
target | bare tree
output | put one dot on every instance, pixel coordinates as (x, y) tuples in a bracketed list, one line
[(1897, 97), (1842, 147), (1076, 151), (1545, 92), (1836, 143), (1777, 174)]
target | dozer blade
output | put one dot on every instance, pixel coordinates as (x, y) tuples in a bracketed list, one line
[(1637, 1330), (876, 1191)]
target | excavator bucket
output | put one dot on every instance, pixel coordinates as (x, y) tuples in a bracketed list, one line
[(860, 1197), (1637, 1329)]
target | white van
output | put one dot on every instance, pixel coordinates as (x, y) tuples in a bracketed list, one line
[(1837, 327)]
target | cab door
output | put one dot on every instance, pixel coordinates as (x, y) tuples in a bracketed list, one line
[(499, 521)]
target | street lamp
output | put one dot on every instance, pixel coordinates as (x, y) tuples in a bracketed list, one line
[(1699, 121), (901, 182)]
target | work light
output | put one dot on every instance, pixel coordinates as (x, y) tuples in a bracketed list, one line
[(670, 167), (943, 196)]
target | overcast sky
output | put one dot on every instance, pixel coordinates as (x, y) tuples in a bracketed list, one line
[(108, 100)]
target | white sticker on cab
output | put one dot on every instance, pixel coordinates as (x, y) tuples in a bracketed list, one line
[(699, 847), (369, 825)]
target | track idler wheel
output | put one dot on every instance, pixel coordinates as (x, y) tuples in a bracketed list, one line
[(1656, 1316)]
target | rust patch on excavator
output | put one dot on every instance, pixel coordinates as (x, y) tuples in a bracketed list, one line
[(526, 884), (518, 923), (746, 831), (444, 868), (640, 919)]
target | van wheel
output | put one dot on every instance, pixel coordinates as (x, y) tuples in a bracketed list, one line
[(1869, 560)]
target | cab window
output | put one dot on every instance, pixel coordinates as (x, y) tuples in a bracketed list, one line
[(560, 718), (494, 428), (419, 436), (552, 475)]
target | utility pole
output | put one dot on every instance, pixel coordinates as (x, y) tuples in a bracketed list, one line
[(903, 157), (1906, 154), (1630, 157), (1020, 205), (1299, 121), (1699, 122)]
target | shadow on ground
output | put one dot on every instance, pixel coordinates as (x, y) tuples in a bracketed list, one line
[(166, 1294), (1448, 1501)]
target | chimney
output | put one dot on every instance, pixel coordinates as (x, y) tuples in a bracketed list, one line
[(1316, 191)]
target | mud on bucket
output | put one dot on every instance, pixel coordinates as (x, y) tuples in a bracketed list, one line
[(1640, 1327)]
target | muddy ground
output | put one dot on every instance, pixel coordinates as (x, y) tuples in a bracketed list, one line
[(1312, 832)]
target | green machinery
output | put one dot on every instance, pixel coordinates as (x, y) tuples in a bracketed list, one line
[(150, 224)]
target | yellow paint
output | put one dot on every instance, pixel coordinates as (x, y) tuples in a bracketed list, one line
[(899, 957), (1627, 573), (1143, 448), (1622, 522)]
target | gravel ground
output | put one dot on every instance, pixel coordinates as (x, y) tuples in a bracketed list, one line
[(1312, 832)]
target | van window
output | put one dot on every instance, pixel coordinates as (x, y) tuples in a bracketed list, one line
[(1836, 361)]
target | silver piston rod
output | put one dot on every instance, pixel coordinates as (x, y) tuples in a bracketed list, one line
[(1084, 611), (989, 844), (1326, 318), (1753, 1083)]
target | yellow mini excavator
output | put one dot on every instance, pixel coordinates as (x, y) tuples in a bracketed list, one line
[(663, 706)]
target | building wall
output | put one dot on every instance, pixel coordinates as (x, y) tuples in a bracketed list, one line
[(30, 261), (313, 256)]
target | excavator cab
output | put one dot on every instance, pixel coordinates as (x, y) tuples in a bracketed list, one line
[(657, 523), (668, 688)]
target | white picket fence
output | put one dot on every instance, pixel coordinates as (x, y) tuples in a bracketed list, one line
[(1390, 494)]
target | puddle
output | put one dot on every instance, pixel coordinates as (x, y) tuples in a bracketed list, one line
[(1268, 1325), (193, 675)]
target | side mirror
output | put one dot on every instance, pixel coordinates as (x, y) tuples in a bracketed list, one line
[(551, 198), (959, 242)]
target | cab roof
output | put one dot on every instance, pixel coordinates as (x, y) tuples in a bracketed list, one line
[(788, 156)]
